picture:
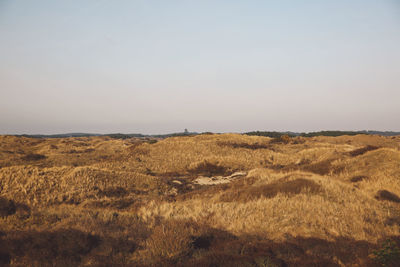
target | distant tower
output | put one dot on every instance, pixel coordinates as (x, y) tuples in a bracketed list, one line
[(186, 131)]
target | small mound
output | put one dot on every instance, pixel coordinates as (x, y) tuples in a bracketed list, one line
[(374, 163), (386, 195), (322, 168)]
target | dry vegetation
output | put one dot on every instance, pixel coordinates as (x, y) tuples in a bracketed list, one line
[(318, 201)]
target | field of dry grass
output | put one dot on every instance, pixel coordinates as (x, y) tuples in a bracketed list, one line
[(206, 200)]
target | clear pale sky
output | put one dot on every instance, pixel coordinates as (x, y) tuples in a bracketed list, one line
[(223, 66)]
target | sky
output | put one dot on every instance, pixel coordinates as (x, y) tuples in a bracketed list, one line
[(157, 67)]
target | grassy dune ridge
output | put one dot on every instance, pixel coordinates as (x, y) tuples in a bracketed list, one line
[(99, 201)]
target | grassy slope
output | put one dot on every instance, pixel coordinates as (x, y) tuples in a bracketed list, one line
[(99, 201)]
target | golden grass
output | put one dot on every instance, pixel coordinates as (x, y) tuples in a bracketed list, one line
[(339, 210), (130, 203)]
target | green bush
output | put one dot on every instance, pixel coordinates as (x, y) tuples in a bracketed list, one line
[(388, 254)]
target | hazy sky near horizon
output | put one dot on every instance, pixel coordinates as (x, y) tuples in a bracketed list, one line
[(223, 66)]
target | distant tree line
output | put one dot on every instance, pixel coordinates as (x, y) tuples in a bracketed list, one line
[(320, 133), (271, 134), (331, 133)]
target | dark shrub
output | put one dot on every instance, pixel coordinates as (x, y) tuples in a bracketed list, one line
[(208, 168), (113, 192), (362, 150), (7, 207), (64, 247), (386, 195), (33, 157), (388, 254), (358, 178)]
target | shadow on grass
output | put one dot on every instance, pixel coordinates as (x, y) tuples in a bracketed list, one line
[(180, 243), (293, 187)]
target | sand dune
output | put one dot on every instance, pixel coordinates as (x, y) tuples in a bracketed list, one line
[(320, 201)]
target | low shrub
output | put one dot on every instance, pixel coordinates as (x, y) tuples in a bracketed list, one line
[(358, 178), (33, 157), (113, 192), (388, 254), (7, 207), (386, 195), (58, 248), (362, 150), (207, 168)]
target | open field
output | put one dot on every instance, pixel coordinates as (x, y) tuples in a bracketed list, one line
[(205, 200)]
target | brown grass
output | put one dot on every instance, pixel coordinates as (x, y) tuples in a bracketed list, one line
[(98, 201)]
